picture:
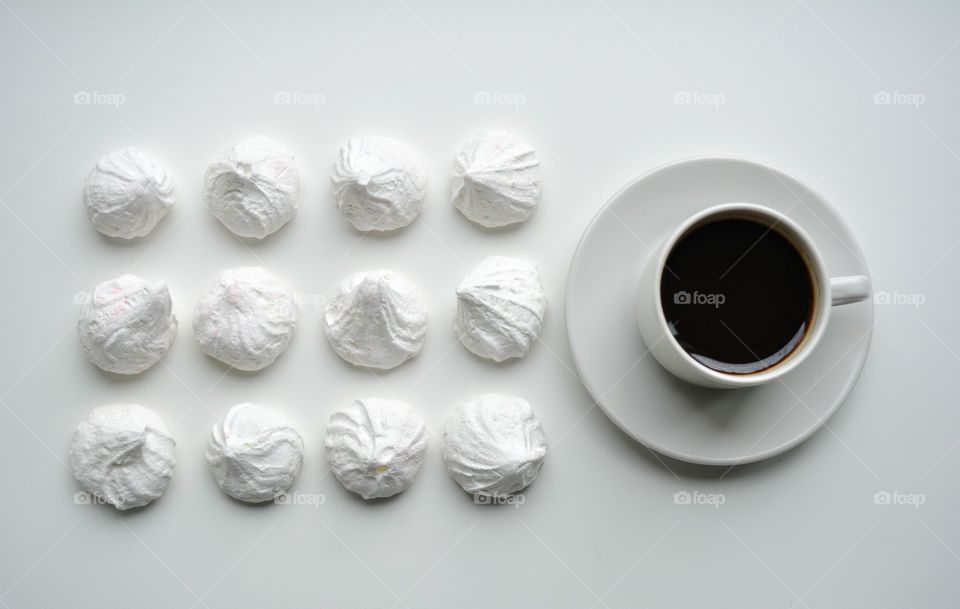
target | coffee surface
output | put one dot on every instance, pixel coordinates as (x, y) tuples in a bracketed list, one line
[(737, 295)]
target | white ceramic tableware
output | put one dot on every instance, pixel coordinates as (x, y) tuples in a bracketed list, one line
[(653, 406), (827, 293)]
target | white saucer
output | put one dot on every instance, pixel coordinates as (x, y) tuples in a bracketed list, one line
[(707, 426)]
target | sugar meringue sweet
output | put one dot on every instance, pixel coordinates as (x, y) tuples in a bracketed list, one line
[(122, 455), (253, 188), (500, 308), (127, 194), (494, 445), (127, 324), (375, 446), (379, 183), (376, 319), (255, 453), (245, 318), (496, 180)]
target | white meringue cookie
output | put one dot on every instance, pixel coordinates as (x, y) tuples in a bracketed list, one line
[(127, 325), (127, 194), (253, 188), (375, 447), (496, 180), (376, 319), (254, 452), (379, 183), (122, 455), (500, 308), (494, 445), (245, 318)]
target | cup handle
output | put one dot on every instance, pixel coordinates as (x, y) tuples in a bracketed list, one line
[(847, 290)]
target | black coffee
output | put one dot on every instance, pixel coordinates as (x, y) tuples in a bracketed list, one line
[(737, 295)]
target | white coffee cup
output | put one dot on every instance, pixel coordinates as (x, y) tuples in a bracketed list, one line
[(827, 293)]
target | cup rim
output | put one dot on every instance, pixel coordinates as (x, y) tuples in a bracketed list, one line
[(807, 249)]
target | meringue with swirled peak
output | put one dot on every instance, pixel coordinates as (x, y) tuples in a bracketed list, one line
[(376, 319), (127, 324), (494, 445), (379, 183), (500, 308), (496, 180), (122, 455), (253, 188), (127, 194), (255, 453), (375, 446), (245, 318)]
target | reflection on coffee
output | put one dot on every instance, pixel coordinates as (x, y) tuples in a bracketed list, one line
[(737, 295)]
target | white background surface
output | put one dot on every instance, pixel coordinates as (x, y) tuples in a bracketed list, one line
[(597, 80)]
